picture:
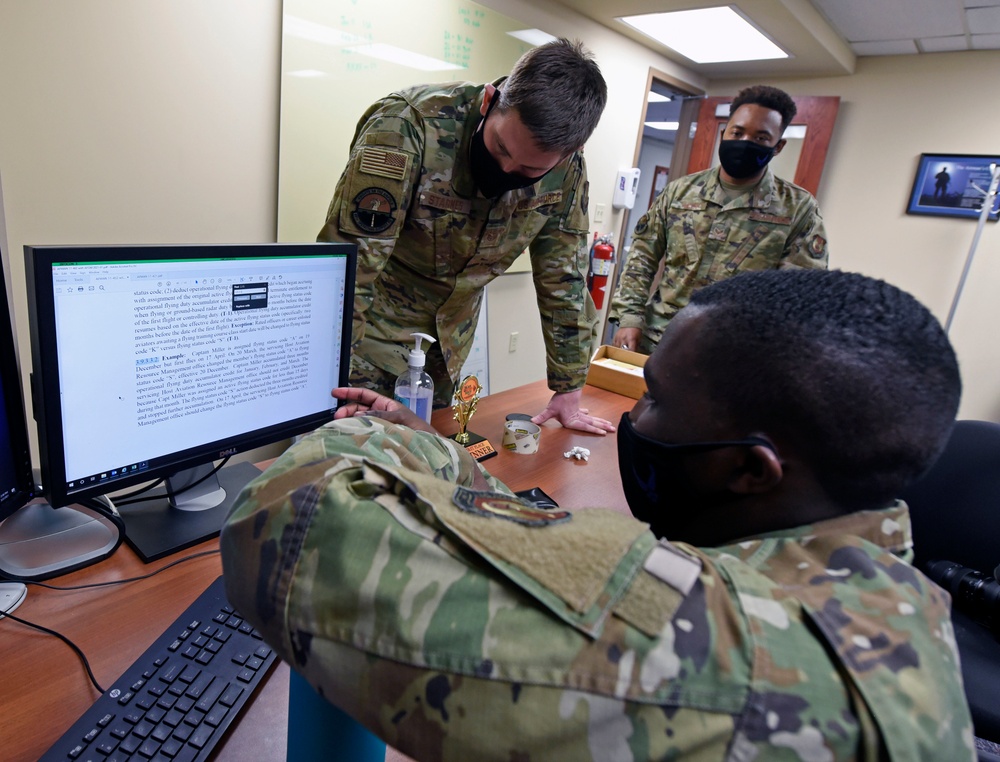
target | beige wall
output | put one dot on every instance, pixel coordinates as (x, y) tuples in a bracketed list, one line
[(892, 110), (136, 121)]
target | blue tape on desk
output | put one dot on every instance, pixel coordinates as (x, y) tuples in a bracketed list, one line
[(317, 729)]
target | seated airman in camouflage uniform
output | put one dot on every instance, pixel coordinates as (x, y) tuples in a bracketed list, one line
[(766, 612), (734, 218), (447, 185)]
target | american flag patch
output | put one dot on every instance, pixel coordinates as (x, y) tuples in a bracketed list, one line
[(378, 161)]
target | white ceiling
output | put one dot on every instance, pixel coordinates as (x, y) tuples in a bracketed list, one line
[(825, 37)]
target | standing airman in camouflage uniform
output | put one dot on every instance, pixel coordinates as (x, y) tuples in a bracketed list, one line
[(716, 223), (446, 186), (768, 612)]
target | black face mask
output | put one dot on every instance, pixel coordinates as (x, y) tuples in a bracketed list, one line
[(743, 158), (490, 178), (655, 482)]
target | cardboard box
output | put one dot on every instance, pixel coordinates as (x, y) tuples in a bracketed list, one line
[(618, 370)]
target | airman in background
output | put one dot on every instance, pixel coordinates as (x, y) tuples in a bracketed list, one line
[(711, 225)]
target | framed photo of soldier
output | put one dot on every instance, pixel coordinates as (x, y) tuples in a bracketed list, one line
[(954, 185)]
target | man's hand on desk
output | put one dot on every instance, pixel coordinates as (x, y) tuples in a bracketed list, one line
[(367, 402), (565, 408)]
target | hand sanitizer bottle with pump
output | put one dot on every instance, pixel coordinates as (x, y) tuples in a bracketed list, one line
[(414, 388)]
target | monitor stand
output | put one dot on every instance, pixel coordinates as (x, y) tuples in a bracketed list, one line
[(157, 528), (39, 541)]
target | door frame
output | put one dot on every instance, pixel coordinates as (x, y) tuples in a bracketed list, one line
[(678, 160)]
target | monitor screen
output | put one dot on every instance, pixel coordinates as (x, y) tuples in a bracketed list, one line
[(152, 361), (16, 482)]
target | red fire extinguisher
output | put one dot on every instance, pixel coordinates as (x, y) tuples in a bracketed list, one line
[(602, 258)]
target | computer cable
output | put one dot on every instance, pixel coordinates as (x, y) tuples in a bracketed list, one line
[(64, 639), (67, 641), (134, 493), (129, 499), (109, 583)]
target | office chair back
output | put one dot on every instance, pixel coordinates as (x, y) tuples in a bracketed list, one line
[(955, 511), (955, 507)]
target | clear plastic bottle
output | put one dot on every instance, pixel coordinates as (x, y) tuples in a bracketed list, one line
[(414, 388)]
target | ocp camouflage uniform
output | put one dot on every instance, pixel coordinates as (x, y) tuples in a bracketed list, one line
[(704, 237), (462, 625), (429, 242)]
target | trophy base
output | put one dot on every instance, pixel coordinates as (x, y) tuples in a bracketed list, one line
[(478, 447)]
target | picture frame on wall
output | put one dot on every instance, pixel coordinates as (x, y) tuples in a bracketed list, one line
[(953, 185)]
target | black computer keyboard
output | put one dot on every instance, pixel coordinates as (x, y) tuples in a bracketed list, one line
[(176, 701)]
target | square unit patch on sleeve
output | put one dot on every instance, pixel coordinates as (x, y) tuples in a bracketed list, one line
[(384, 163)]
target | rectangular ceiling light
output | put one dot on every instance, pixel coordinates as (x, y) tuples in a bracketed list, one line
[(707, 35)]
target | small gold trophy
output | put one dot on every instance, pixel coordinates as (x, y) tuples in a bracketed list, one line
[(465, 401)]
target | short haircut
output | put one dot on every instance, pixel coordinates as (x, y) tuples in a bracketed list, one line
[(855, 373), (559, 94), (768, 97)]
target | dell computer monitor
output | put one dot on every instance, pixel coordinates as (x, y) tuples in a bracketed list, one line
[(153, 362), (16, 482)]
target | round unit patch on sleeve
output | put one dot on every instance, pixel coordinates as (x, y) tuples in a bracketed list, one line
[(374, 210), (641, 225)]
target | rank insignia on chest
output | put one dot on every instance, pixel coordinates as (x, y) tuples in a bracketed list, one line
[(374, 210), (493, 235), (501, 506)]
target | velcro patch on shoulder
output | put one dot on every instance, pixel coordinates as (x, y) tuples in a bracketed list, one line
[(667, 578), (577, 568), (384, 163), (501, 506), (648, 604), (393, 139)]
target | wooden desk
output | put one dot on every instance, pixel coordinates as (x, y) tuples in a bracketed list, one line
[(44, 687), (571, 483)]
